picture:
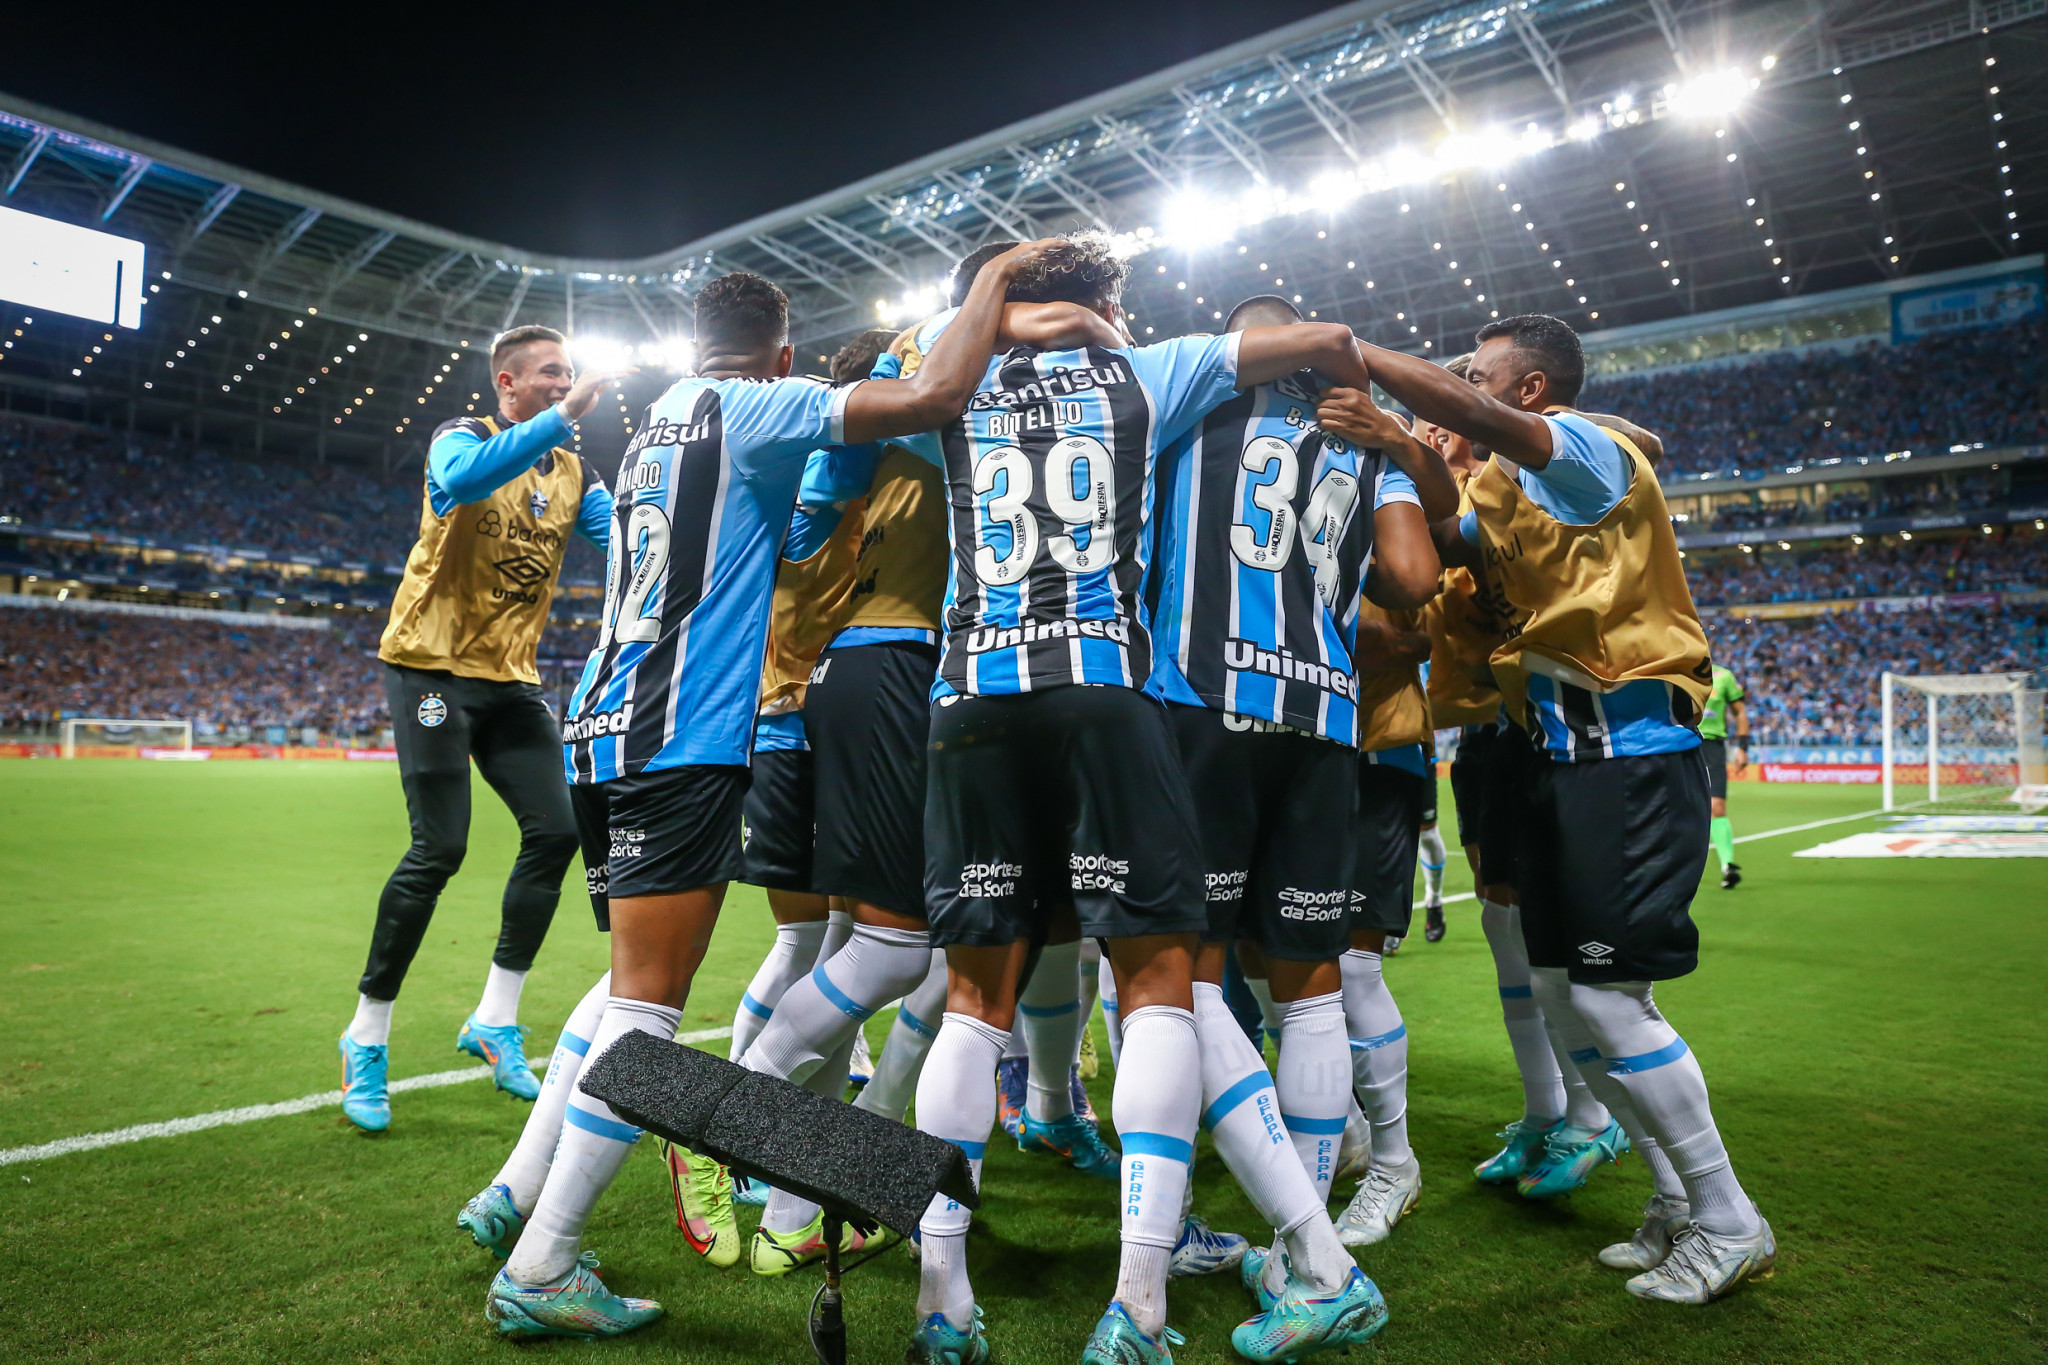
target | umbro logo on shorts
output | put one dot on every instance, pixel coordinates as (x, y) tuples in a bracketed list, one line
[(1597, 952)]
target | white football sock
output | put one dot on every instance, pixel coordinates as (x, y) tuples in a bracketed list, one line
[(1049, 1008), (372, 1025), (1569, 1033), (595, 1144), (956, 1101), (1315, 1084), (820, 1013), (790, 958), (1379, 1055), (500, 1003), (1241, 1110), (526, 1170), (1112, 1022), (1090, 973), (894, 1083), (1433, 854), (1272, 1014), (1649, 1060), (1582, 1108), (1157, 1113), (1543, 1097)]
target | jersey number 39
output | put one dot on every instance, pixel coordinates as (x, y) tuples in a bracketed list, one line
[(1080, 492)]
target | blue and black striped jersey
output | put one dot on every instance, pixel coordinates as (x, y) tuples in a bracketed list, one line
[(703, 502), (1265, 527), (1049, 478)]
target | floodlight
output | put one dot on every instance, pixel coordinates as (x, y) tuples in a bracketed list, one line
[(603, 354), (1712, 94)]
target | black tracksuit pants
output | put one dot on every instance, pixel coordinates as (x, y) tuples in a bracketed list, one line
[(443, 721)]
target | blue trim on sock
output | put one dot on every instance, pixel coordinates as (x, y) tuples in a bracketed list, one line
[(974, 1151), (600, 1125), (1108, 1005), (916, 1025), (843, 1002), (1583, 1055), (755, 1007), (1049, 1011), (1517, 993), (1249, 1085), (1432, 867), (1379, 1040), (579, 1046), (1647, 1061), (1296, 1124), (1158, 1144)]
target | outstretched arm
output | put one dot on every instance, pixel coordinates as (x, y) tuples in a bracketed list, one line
[(1055, 327), (880, 408), (1436, 395), (1265, 354), (1645, 441), (1352, 414)]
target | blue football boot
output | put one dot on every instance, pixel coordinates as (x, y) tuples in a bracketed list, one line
[(1013, 1075), (504, 1047), (491, 1221), (1074, 1138), (365, 1087), (1252, 1270), (747, 1190), (938, 1342), (1302, 1323), (1204, 1251), (576, 1305), (1116, 1340)]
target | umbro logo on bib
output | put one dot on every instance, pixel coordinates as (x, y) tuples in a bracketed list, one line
[(1597, 952)]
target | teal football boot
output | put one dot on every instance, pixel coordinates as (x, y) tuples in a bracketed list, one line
[(1252, 1269), (504, 1047), (1116, 1340), (1074, 1138), (491, 1220), (1302, 1323), (365, 1085), (575, 1305), (749, 1191), (1569, 1156), (1524, 1140), (938, 1342)]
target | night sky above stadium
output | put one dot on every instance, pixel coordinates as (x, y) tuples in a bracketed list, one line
[(610, 138)]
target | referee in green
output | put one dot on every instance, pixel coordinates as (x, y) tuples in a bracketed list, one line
[(1725, 704)]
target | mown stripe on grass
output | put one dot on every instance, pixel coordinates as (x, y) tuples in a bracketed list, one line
[(250, 1113)]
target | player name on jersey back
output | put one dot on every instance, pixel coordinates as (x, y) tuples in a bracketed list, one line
[(1049, 490)]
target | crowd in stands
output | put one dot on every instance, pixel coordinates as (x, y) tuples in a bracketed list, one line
[(1815, 679), (223, 678), (1955, 388), (1895, 497), (79, 478), (1961, 564)]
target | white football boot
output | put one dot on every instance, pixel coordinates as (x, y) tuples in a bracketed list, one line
[(1383, 1199), (1703, 1266)]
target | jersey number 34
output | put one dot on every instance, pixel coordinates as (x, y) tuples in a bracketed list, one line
[(1269, 473)]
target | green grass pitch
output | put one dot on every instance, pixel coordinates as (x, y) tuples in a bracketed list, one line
[(176, 939)]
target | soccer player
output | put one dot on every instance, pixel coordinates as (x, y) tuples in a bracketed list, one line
[(503, 494), (660, 727), (1055, 800), (1609, 673), (1266, 527), (1725, 703)]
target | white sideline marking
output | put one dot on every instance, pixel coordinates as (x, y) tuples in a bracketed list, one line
[(1816, 824), (86, 1142)]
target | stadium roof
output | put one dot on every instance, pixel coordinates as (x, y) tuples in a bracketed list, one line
[(1411, 169)]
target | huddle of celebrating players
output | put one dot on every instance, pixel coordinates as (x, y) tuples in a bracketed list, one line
[(1036, 640)]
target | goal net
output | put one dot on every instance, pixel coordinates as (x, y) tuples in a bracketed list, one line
[(1973, 741), (149, 737)]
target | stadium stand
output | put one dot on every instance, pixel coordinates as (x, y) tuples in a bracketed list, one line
[(1963, 564), (1814, 680), (1954, 389)]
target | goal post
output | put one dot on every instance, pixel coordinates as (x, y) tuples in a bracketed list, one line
[(1975, 740), (181, 729)]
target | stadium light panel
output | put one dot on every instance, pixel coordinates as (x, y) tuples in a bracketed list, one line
[(45, 263)]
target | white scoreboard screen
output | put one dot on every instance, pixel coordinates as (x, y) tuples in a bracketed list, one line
[(62, 268)]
